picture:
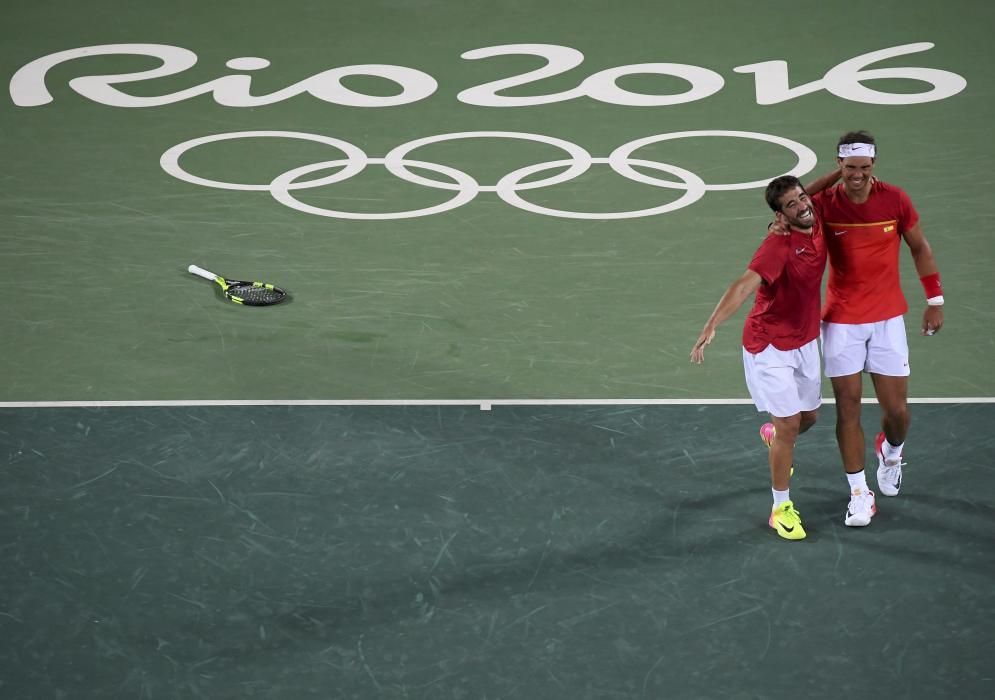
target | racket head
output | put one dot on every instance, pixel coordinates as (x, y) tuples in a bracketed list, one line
[(253, 293)]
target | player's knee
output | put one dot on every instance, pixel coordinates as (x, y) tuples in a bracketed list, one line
[(847, 410), (788, 428)]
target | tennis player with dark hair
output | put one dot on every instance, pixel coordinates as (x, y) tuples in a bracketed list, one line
[(863, 328), (780, 336)]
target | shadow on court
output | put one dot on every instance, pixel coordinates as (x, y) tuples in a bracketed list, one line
[(431, 552)]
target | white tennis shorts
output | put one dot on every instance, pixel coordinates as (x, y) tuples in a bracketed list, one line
[(784, 382), (881, 348)]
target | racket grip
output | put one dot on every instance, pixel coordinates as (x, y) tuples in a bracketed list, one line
[(201, 272)]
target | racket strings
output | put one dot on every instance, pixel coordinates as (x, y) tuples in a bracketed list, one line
[(256, 293)]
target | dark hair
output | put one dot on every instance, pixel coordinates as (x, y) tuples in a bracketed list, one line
[(777, 187), (856, 137)]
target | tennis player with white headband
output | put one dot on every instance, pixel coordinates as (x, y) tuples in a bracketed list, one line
[(863, 328)]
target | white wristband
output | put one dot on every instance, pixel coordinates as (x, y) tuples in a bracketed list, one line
[(935, 301)]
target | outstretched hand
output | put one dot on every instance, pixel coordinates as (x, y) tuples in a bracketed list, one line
[(698, 351)]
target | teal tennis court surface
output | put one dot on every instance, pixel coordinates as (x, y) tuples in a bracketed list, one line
[(527, 208)]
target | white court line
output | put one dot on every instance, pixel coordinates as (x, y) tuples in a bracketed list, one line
[(484, 404)]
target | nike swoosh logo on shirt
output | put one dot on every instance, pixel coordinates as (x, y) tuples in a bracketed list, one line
[(799, 251), (839, 233)]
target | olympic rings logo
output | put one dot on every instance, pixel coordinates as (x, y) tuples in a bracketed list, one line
[(397, 162)]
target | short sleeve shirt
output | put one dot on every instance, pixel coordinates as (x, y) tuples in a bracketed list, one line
[(863, 242), (785, 312)]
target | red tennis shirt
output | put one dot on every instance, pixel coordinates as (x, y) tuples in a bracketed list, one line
[(863, 242), (785, 313)]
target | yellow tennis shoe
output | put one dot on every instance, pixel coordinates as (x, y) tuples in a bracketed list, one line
[(787, 521)]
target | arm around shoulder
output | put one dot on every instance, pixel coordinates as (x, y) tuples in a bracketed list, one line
[(820, 183)]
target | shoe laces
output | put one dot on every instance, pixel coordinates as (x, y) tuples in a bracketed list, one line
[(861, 500), (892, 471), (789, 513)]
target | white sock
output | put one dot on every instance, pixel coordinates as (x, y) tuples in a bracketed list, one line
[(858, 481), (890, 451), (781, 496)]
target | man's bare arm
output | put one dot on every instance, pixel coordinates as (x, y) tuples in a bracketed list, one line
[(820, 183), (922, 256), (738, 292)]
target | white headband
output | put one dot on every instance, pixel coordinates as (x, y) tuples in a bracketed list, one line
[(856, 149)]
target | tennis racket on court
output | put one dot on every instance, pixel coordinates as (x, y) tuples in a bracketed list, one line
[(242, 292)]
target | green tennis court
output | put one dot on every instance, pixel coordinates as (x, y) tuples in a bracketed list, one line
[(526, 207)]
